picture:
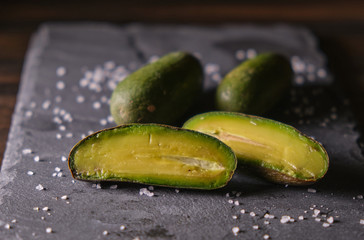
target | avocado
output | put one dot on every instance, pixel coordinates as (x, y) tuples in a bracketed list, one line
[(153, 154), (256, 85), (277, 151), (160, 92)]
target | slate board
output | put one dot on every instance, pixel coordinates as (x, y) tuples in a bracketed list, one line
[(54, 110)]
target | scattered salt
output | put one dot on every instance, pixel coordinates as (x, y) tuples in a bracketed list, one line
[(27, 151), (122, 227), (242, 211), (311, 190), (57, 169), (60, 85), (252, 214), (266, 236), (80, 99), (235, 230), (235, 217), (330, 220), (7, 226), (256, 227), (64, 197), (39, 187), (285, 219), (63, 158), (46, 104), (30, 173), (301, 218), (240, 54), (49, 230), (236, 203), (45, 209), (103, 122), (96, 105), (325, 225), (60, 71), (361, 221), (36, 158)]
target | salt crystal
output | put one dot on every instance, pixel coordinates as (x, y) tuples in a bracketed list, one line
[(251, 53), (318, 219), (58, 136), (230, 201), (7, 226), (60, 71), (330, 220), (96, 105), (64, 197), (54, 174), (122, 227), (256, 227), (266, 236), (110, 119), (30, 173), (39, 187), (235, 217), (60, 85), (311, 190), (27, 151), (84, 82), (236, 203), (266, 222), (46, 104), (104, 99), (98, 186), (103, 122), (45, 209), (58, 99), (176, 190), (252, 214), (63, 158), (325, 225), (59, 174), (69, 135), (49, 230), (361, 221), (235, 230), (242, 211), (316, 212), (109, 65), (301, 217), (227, 195), (28, 114), (57, 169), (285, 219), (36, 209), (62, 128), (359, 197), (114, 186), (13, 221), (80, 99), (240, 54)]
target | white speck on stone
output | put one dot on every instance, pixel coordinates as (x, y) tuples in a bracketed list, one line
[(62, 128), (359, 197), (266, 236), (105, 233), (256, 227), (61, 71), (266, 222), (114, 186), (230, 201), (318, 219), (330, 220), (57, 169), (240, 54), (285, 219), (69, 135), (84, 82), (58, 136), (311, 190), (54, 174), (60, 85), (227, 195), (63, 158), (103, 122), (39, 187), (13, 221), (251, 53), (361, 221), (64, 197), (109, 65), (104, 99), (301, 218), (236, 203), (28, 114), (30, 173), (36, 209), (98, 186), (216, 77), (96, 105), (176, 190), (235, 230), (122, 227), (211, 68), (7, 226), (316, 212), (58, 99), (242, 211), (110, 119), (46, 104), (235, 217), (252, 214), (49, 230), (59, 174), (145, 191), (80, 99), (27, 151), (325, 225), (45, 209)]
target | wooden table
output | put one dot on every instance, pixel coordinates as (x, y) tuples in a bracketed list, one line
[(338, 24)]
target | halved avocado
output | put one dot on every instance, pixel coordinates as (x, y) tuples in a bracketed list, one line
[(277, 151), (153, 154)]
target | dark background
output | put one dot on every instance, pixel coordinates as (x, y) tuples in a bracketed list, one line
[(339, 26)]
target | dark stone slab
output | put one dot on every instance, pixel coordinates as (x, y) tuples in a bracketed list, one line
[(47, 108)]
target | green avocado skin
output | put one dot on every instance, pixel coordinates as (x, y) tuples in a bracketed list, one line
[(256, 85), (160, 92)]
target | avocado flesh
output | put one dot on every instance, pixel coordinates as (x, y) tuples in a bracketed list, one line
[(265, 143), (154, 156)]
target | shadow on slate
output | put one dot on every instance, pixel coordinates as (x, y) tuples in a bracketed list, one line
[(55, 110)]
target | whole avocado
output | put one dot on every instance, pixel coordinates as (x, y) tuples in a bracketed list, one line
[(255, 85), (159, 92)]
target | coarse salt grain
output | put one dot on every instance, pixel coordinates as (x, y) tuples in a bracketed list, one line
[(105, 233), (251, 53), (64, 197), (316, 212), (311, 190), (256, 227), (62, 128), (69, 135), (57, 169), (318, 219), (235, 217), (49, 230), (27, 151), (361, 221), (45, 209), (36, 209), (60, 85), (46, 104), (39, 187), (58, 136), (122, 227), (36, 158), (235, 230), (80, 99), (30, 173), (13, 221), (359, 197), (110, 119), (301, 217), (266, 222), (58, 99), (242, 211), (325, 225), (176, 190), (266, 236), (96, 105), (103, 122), (114, 186), (285, 219), (7, 226), (236, 203), (60, 71), (59, 174), (28, 113), (63, 158), (252, 214), (230, 201)]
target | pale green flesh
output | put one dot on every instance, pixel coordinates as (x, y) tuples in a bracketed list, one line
[(140, 156), (274, 145)]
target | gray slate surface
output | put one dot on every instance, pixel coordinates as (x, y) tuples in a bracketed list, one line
[(314, 106)]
